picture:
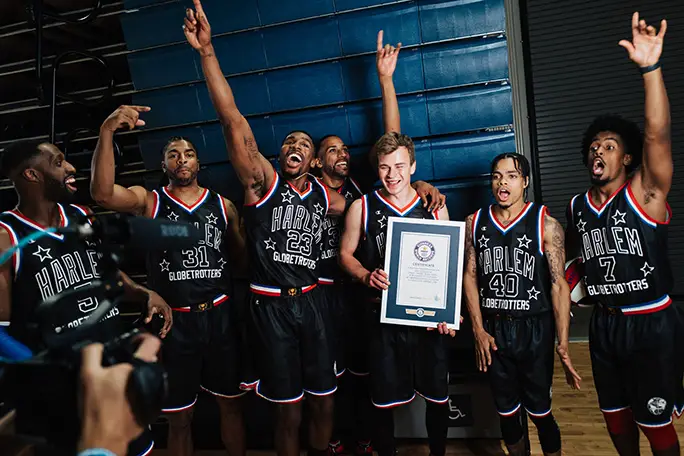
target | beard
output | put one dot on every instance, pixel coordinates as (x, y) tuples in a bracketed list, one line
[(57, 191), (181, 181), (332, 172), (598, 182)]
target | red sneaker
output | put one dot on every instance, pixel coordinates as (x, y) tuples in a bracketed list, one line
[(363, 448), (335, 448)]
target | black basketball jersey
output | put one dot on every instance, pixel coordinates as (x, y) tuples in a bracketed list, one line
[(329, 269), (48, 266), (199, 274), (512, 270), (284, 233), (624, 252), (376, 209)]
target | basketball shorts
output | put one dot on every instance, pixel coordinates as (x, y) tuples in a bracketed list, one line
[(406, 360), (521, 373), (333, 298), (637, 362), (360, 317), (292, 337), (202, 352)]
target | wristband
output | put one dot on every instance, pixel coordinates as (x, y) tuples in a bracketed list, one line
[(650, 68), (96, 452)]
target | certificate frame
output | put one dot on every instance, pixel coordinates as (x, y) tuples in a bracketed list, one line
[(410, 314)]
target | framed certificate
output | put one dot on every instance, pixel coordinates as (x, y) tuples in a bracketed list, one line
[(424, 263)]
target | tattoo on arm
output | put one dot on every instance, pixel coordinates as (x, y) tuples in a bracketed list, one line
[(254, 157), (555, 250), (471, 263)]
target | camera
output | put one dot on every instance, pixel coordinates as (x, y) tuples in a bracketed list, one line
[(43, 387)]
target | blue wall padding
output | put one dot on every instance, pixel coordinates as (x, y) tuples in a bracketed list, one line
[(316, 39), (454, 64), (441, 20), (358, 30), (300, 87), (360, 78), (274, 11), (238, 53), (317, 122), (469, 109), (469, 155)]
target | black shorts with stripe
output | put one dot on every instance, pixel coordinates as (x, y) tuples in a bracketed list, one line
[(405, 361), (521, 373), (203, 351), (292, 337), (638, 363), (334, 299)]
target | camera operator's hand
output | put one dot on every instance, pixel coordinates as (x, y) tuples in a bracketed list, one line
[(157, 305), (108, 422)]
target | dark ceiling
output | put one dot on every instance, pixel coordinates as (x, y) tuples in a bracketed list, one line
[(23, 114)]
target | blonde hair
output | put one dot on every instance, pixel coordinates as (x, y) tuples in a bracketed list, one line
[(389, 143)]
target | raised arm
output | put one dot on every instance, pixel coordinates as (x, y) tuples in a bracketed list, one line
[(105, 192), (653, 180), (253, 170), (236, 241), (386, 62), (484, 342), (560, 294)]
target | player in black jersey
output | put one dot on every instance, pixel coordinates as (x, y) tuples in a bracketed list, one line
[(203, 351), (333, 161), (284, 213), (56, 262), (403, 360), (619, 227), (514, 284)]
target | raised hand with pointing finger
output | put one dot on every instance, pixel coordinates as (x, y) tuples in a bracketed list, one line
[(646, 45), (386, 57), (196, 27)]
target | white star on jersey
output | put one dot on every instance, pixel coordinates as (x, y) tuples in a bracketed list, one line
[(647, 269), (270, 243), (164, 265), (524, 240), (348, 195), (43, 254), (319, 208), (580, 226), (483, 242), (382, 221), (533, 293), (211, 219), (619, 217), (173, 217), (287, 196), (222, 262)]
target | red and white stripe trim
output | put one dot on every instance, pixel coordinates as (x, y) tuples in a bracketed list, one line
[(540, 228), (326, 194), (393, 404), (356, 186), (224, 210), (220, 299), (520, 216), (598, 210), (192, 207), (399, 211), (307, 190), (14, 239), (364, 213), (269, 193), (226, 396), (326, 281), (179, 409), (647, 307), (276, 291), (634, 204), (476, 219), (510, 412), (155, 207), (64, 221)]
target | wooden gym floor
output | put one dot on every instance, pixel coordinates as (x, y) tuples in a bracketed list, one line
[(577, 413)]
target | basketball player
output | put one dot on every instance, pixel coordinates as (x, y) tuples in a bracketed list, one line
[(55, 263), (402, 360), (333, 161), (619, 226), (203, 349), (514, 282), (283, 213)]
